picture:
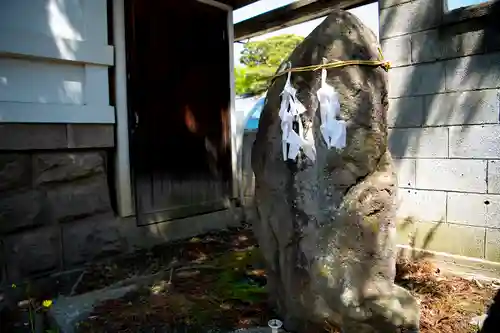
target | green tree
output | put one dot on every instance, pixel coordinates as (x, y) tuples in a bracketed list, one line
[(260, 60)]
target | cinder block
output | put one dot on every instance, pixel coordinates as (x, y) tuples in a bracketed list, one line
[(461, 240), (493, 176), (481, 210), (406, 112), (493, 245), (397, 50), (452, 175), (462, 108), (410, 17), (442, 237), (466, 208), (473, 72), (492, 203), (476, 141), (419, 142), (421, 79), (406, 170), (429, 206), (463, 42), (426, 46), (492, 37), (447, 42)]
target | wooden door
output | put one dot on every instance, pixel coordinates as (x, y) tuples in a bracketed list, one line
[(179, 94)]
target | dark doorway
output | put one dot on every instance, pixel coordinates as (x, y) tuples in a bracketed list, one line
[(179, 95)]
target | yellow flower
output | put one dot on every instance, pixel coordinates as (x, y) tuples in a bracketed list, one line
[(47, 303)]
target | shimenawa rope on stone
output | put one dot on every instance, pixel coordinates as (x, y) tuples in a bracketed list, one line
[(386, 65)]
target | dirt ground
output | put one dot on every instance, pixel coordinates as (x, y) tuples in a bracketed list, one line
[(217, 282), (447, 303)]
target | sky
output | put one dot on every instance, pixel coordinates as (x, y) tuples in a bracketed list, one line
[(368, 14)]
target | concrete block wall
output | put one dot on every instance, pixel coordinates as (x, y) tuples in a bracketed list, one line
[(444, 111)]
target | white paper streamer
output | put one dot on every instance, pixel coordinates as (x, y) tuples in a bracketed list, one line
[(334, 131), (290, 110)]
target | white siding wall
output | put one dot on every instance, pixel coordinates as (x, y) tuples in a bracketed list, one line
[(54, 59)]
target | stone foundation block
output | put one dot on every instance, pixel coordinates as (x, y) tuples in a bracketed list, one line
[(63, 167), (21, 210), (32, 252), (79, 199), (91, 238), (15, 171)]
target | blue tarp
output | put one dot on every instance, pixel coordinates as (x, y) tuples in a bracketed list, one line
[(253, 121)]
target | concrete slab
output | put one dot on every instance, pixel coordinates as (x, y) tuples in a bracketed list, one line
[(66, 312)]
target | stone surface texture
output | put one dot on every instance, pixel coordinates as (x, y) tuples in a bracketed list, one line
[(327, 228), (56, 213), (38, 191)]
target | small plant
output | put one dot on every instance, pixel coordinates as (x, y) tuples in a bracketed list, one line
[(233, 284), (34, 307)]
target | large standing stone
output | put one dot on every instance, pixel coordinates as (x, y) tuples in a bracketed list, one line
[(327, 228)]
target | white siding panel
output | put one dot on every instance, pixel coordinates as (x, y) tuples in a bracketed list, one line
[(11, 112), (54, 60), (60, 18), (45, 47), (27, 81), (96, 28), (96, 85)]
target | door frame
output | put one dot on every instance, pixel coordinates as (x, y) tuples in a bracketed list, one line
[(123, 179)]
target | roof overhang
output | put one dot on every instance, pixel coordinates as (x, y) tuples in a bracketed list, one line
[(297, 12), (236, 4)]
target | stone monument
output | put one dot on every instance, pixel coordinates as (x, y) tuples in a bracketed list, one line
[(326, 217)]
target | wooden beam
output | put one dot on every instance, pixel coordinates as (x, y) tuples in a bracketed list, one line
[(236, 4), (292, 14), (125, 199)]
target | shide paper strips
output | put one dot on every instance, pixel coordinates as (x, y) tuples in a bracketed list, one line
[(290, 110), (333, 131)]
